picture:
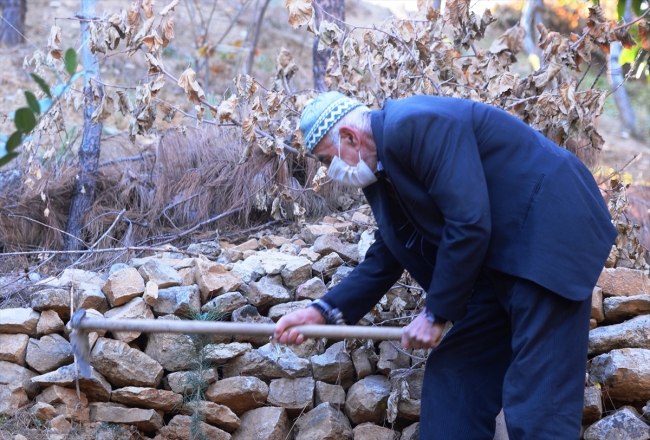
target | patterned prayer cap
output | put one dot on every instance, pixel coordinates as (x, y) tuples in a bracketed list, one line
[(323, 112)]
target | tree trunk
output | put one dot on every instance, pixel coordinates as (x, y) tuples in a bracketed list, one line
[(531, 16), (616, 79), (256, 36), (335, 9), (83, 192), (13, 26)]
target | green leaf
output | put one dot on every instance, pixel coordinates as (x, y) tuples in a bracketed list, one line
[(628, 55), (42, 84), (7, 158), (32, 102), (14, 140), (25, 120), (70, 61)]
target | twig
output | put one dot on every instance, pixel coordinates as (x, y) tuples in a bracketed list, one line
[(117, 219), (615, 172), (126, 159), (520, 101), (47, 226), (203, 223), (600, 72), (233, 234), (641, 17), (584, 75), (99, 251)]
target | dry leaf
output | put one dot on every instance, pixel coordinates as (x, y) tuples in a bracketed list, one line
[(147, 6), (248, 129), (97, 42), (405, 31), (157, 85), (226, 108), (124, 103), (105, 109), (134, 14), (300, 12), (319, 179), (53, 43), (168, 31), (644, 35), (153, 63), (200, 111), (169, 7), (192, 88), (137, 40), (153, 42), (329, 35), (246, 86)]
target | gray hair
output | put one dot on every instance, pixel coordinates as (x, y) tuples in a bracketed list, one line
[(358, 118)]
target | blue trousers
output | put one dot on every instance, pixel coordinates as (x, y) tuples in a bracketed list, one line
[(520, 347)]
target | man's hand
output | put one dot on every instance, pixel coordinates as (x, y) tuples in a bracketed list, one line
[(284, 334), (421, 333)]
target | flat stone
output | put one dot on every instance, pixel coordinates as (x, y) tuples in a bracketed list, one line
[(48, 353), (42, 412), (597, 312), (240, 393), (249, 270), (623, 282), (249, 314), (60, 425), (367, 399), (339, 274), (268, 423), (294, 395), (175, 352), (122, 286), (334, 366), (392, 356), (250, 245), (96, 388), (52, 299), (218, 415), (290, 249), (326, 244), (620, 308), (323, 422), (286, 361), (622, 425), (13, 348), (626, 374), (207, 248), (19, 320), (214, 279), (309, 347), (162, 275), (187, 382), (326, 266), (278, 311), (332, 394), (143, 419), (311, 289), (55, 395), (90, 296), (309, 254), (412, 432), (134, 309), (593, 406), (187, 275), (16, 383), (267, 292), (182, 428), (296, 272), (273, 241), (124, 366), (50, 322), (150, 295), (150, 398), (366, 240), (225, 304), (222, 353), (361, 219), (318, 230), (370, 431), (634, 333), (363, 362), (179, 301)]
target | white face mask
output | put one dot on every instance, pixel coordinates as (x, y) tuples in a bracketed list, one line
[(358, 176)]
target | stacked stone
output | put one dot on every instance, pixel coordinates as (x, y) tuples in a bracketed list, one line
[(254, 389), (618, 385)]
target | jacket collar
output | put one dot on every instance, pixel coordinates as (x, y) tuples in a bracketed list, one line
[(377, 125)]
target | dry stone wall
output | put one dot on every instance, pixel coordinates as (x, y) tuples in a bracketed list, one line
[(242, 387)]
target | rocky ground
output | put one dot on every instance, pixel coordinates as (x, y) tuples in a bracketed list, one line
[(168, 386)]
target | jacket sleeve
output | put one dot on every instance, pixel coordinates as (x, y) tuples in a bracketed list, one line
[(444, 158), (357, 293)]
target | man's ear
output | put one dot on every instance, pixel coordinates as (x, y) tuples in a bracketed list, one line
[(350, 135)]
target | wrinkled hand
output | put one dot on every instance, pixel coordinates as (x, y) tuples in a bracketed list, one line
[(284, 334), (421, 333)]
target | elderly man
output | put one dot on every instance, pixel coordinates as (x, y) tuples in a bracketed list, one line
[(505, 231)]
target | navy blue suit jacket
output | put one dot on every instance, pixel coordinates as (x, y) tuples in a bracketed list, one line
[(469, 185)]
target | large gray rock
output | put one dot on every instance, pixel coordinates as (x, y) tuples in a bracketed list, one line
[(326, 266), (363, 361), (268, 423), (253, 363), (48, 353), (593, 407), (87, 288), (267, 292), (19, 320), (294, 395), (323, 422), (124, 366), (134, 309), (218, 415), (13, 348), (597, 312), (188, 382), (367, 399), (312, 289), (249, 314), (175, 352), (182, 428), (96, 388), (214, 279), (634, 333), (42, 412), (179, 301), (222, 353), (249, 270), (225, 304), (623, 425), (122, 286), (16, 388), (162, 275), (278, 311), (151, 398), (143, 419), (207, 248), (625, 373), (296, 272), (286, 361), (55, 395), (623, 282), (334, 366), (370, 431), (620, 308), (392, 356), (240, 394), (52, 299), (50, 322), (326, 244), (328, 393), (412, 432)]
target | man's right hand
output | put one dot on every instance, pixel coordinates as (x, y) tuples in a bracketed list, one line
[(285, 334)]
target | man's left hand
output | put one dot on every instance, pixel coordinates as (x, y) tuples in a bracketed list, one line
[(422, 333)]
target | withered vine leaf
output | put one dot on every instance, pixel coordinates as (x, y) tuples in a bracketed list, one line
[(226, 108), (192, 88), (300, 12), (53, 43)]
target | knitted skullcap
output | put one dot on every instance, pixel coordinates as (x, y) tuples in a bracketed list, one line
[(323, 112)]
